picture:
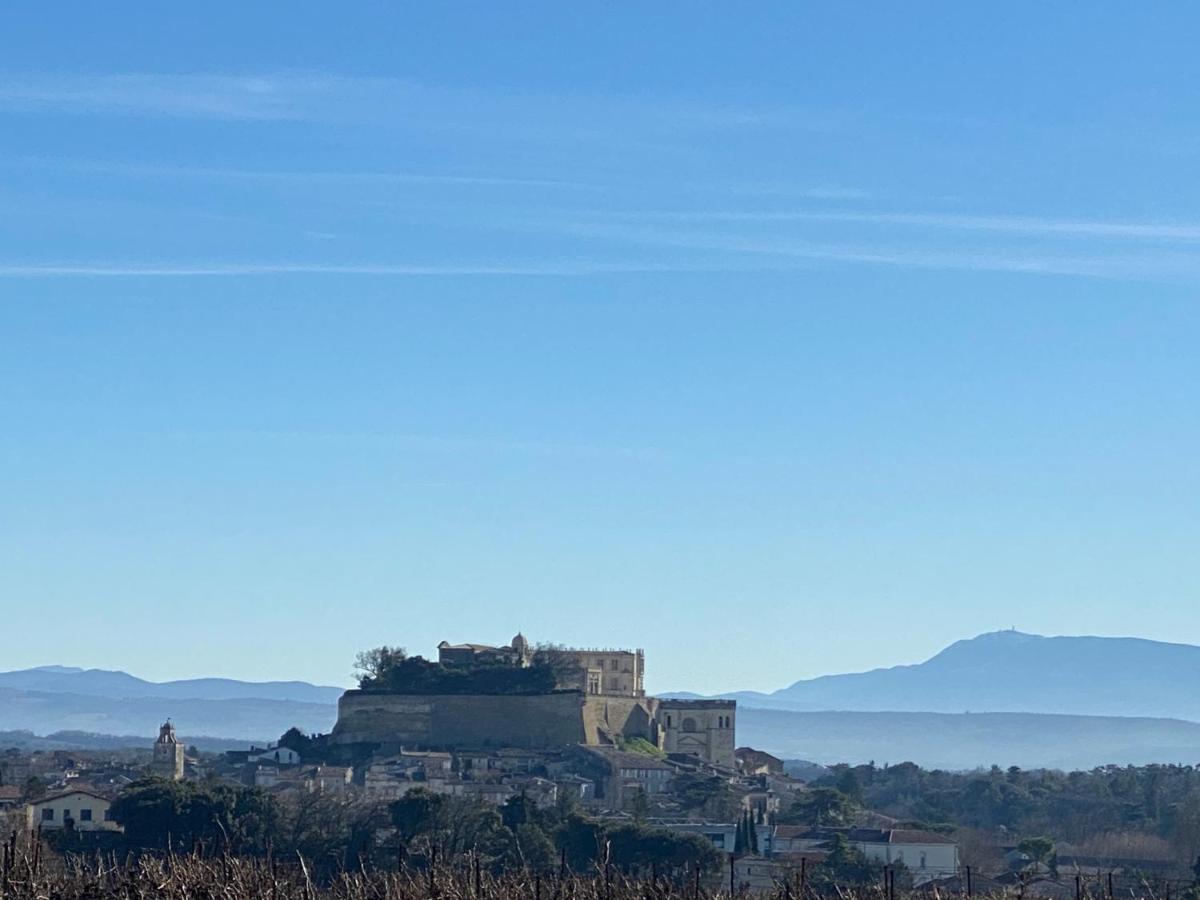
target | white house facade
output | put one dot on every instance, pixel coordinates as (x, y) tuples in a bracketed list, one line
[(81, 810)]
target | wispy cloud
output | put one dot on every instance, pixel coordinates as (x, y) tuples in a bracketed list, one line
[(1020, 225), (222, 269), (292, 96), (137, 170), (205, 96), (778, 190), (1159, 266)]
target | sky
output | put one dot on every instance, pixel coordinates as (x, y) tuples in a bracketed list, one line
[(782, 341)]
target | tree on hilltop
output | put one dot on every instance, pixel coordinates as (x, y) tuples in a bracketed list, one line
[(374, 666)]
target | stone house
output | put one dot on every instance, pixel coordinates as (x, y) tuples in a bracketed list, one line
[(78, 809), (329, 779), (757, 762), (576, 786), (10, 796), (280, 756)]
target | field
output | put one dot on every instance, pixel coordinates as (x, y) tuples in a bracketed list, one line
[(38, 874)]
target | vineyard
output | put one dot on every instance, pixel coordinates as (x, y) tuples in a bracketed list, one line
[(34, 873)]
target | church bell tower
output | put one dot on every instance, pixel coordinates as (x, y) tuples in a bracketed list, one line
[(168, 754)]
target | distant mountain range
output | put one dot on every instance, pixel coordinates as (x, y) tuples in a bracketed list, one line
[(1009, 671), (98, 702), (83, 740), (121, 686), (1032, 701)]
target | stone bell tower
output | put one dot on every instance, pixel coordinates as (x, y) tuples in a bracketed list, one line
[(168, 754)]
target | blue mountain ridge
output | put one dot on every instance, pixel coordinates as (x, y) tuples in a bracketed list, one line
[(1010, 671)]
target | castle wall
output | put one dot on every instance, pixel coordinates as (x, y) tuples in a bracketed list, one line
[(627, 717), (467, 720), (536, 722)]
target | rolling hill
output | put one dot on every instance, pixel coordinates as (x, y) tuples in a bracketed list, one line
[(1009, 671), (121, 685), (96, 702), (250, 719), (1004, 698)]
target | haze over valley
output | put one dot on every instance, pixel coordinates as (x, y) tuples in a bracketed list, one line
[(1004, 698)]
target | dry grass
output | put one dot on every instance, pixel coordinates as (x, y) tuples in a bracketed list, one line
[(33, 873)]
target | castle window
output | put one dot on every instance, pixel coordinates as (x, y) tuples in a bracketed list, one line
[(668, 720), (689, 724)]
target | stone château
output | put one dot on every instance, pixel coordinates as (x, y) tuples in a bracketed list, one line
[(611, 673), (599, 700)]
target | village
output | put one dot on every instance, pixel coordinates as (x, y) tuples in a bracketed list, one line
[(550, 757), (592, 741)]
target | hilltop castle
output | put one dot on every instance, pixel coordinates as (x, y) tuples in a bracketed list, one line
[(599, 699), (608, 673)]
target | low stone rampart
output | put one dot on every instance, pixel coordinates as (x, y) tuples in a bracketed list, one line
[(461, 720)]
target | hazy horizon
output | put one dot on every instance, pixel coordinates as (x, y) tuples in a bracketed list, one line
[(653, 686)]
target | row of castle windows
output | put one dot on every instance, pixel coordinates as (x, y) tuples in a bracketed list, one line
[(613, 665), (689, 724)]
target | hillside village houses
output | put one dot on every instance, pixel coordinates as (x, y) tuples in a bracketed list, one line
[(597, 741)]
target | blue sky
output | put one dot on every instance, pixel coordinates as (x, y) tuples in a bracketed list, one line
[(777, 345)]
